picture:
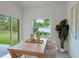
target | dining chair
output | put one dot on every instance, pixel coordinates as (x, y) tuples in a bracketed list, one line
[(50, 50)]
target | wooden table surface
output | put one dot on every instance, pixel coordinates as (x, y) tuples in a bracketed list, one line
[(35, 49)]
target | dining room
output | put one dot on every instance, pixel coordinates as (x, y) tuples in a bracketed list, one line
[(32, 29)]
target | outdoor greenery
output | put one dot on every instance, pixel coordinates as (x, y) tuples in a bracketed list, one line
[(44, 24), (5, 37), (5, 27), (14, 25), (5, 23), (41, 33)]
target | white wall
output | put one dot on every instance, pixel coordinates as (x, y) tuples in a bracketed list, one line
[(11, 9), (57, 12), (73, 43)]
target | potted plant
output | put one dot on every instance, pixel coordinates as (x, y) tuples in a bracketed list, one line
[(62, 30)]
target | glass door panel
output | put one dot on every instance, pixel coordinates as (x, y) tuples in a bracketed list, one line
[(9, 30), (15, 31), (4, 30)]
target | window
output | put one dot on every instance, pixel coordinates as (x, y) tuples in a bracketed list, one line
[(42, 26), (9, 30)]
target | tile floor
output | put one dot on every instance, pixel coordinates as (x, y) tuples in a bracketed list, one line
[(62, 55), (3, 49)]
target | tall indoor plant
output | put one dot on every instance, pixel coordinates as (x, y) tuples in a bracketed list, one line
[(62, 30)]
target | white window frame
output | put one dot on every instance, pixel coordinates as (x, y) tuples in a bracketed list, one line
[(43, 26)]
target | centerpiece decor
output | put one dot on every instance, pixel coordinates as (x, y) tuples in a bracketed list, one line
[(34, 39)]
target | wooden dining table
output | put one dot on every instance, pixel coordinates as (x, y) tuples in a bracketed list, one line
[(24, 48)]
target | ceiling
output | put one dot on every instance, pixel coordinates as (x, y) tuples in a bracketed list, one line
[(25, 4)]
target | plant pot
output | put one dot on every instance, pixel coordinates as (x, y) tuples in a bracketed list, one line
[(62, 50)]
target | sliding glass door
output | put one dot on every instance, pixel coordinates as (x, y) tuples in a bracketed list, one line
[(9, 30)]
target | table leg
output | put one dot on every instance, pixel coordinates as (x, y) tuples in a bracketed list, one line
[(40, 56), (13, 54)]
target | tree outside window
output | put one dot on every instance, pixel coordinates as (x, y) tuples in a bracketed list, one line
[(42, 26)]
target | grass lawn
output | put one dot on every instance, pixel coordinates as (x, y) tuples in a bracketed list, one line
[(5, 37)]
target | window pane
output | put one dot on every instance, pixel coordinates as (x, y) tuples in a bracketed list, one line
[(42, 26), (42, 22), (4, 29), (44, 32), (14, 30)]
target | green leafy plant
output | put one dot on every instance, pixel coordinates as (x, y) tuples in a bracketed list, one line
[(62, 30)]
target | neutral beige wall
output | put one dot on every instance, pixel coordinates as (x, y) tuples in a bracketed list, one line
[(57, 12)]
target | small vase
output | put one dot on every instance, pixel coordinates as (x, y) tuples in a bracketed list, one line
[(31, 37), (38, 38)]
